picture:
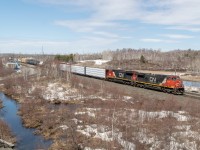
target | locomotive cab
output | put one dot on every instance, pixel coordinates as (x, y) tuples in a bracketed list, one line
[(175, 83)]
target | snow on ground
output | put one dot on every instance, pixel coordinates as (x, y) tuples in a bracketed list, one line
[(97, 62), (192, 89), (179, 138), (127, 99), (89, 111), (162, 114), (56, 91), (88, 148), (77, 121), (106, 134), (183, 131), (64, 127), (100, 62)]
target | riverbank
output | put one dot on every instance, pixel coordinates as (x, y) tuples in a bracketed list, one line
[(6, 145), (1, 104), (34, 110), (26, 139), (7, 138)]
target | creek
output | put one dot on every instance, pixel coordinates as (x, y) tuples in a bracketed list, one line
[(26, 140)]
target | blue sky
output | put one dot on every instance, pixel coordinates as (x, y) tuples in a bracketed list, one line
[(88, 26)]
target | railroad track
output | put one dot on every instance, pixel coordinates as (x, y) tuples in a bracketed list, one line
[(192, 95), (188, 94)]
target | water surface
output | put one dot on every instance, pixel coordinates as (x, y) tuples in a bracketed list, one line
[(191, 83), (25, 137)]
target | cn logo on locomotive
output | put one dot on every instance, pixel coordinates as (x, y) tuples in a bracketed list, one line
[(152, 79), (121, 75)]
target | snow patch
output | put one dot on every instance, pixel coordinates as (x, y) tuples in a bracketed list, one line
[(100, 62), (192, 89), (89, 111), (88, 148), (97, 62), (162, 114), (103, 133), (76, 121), (64, 127), (54, 91)]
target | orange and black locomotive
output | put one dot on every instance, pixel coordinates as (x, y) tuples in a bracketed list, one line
[(166, 83)]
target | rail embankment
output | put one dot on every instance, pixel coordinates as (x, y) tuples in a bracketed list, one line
[(85, 113)]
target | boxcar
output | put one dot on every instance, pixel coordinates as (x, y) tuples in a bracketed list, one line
[(95, 72), (78, 69)]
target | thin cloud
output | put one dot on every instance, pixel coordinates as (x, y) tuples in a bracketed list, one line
[(32, 42), (153, 40), (85, 43), (105, 19), (178, 36), (28, 46), (106, 34), (171, 12), (187, 28), (85, 25)]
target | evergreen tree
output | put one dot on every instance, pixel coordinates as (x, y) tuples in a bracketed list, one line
[(142, 59)]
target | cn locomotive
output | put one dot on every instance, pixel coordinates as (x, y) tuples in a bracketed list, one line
[(166, 83)]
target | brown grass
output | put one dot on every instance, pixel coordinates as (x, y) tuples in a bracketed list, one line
[(5, 133), (1, 104), (114, 113)]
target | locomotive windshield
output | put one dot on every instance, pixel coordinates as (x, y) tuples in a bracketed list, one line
[(174, 78)]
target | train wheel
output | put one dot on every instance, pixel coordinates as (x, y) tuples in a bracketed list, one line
[(175, 91), (132, 83), (164, 90), (168, 91), (182, 92)]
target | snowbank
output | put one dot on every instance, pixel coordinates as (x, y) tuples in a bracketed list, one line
[(97, 62)]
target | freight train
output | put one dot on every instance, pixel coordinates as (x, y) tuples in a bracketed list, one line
[(30, 61), (166, 83)]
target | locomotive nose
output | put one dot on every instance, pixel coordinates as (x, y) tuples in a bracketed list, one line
[(179, 83)]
